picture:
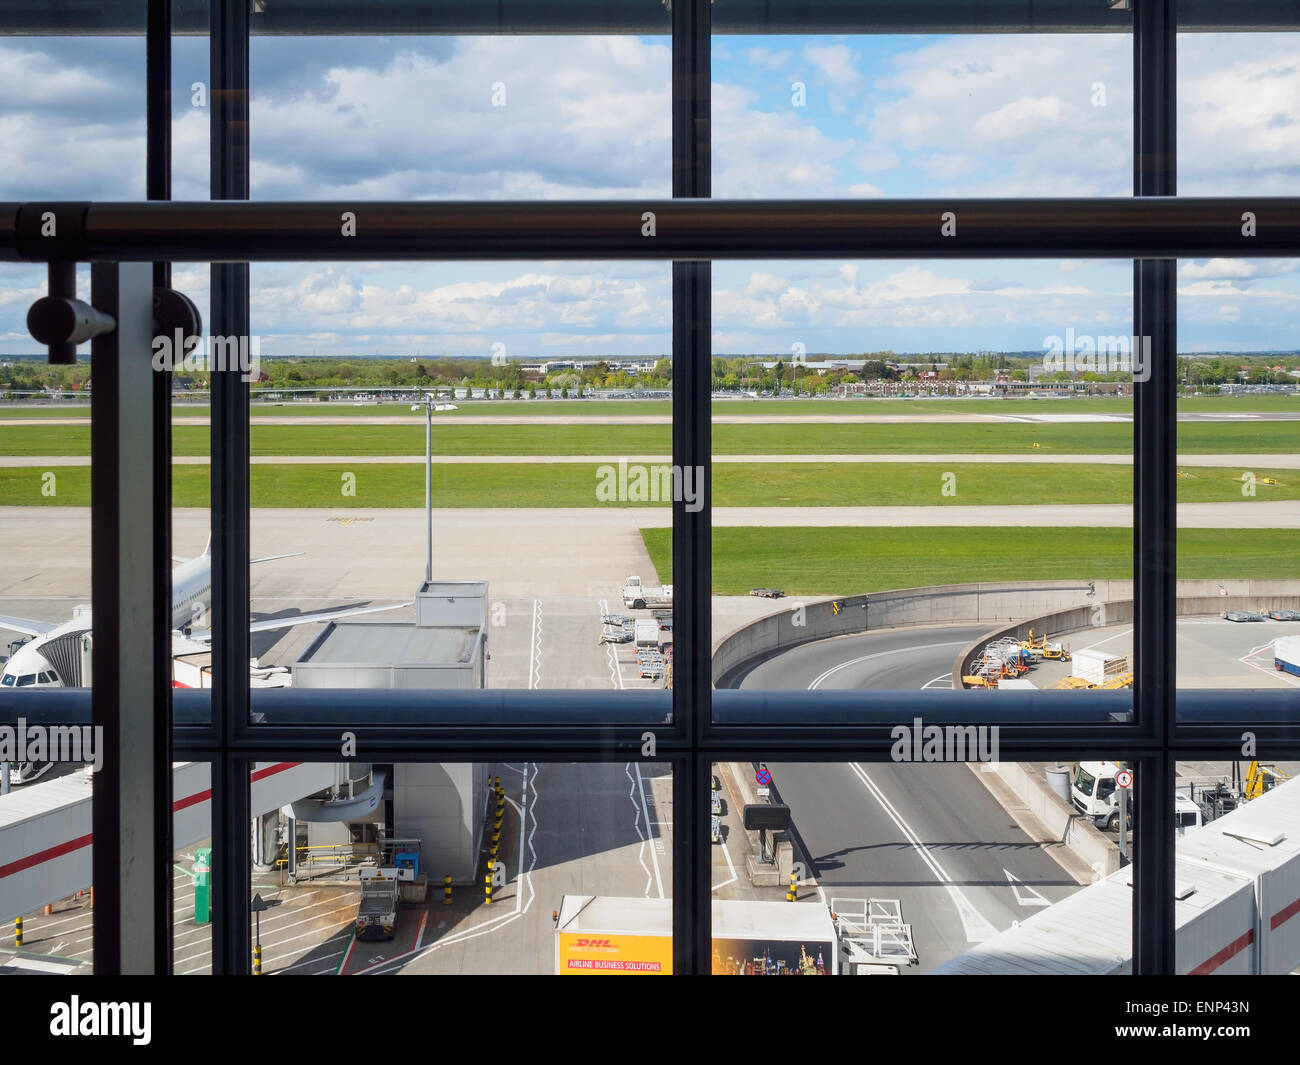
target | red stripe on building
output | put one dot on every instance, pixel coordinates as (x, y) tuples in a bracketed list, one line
[(271, 770), (1283, 915), (47, 855), (1231, 950), (50, 853)]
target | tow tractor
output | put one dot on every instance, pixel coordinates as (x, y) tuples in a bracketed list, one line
[(874, 939), (377, 913)]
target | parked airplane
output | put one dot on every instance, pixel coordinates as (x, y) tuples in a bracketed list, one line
[(52, 657)]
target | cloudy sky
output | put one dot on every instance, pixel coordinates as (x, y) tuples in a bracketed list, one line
[(588, 117)]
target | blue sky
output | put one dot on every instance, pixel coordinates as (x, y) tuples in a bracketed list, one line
[(588, 117)]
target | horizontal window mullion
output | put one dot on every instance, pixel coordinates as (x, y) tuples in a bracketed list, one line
[(683, 230)]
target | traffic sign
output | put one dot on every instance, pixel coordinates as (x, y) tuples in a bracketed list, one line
[(763, 778), (1124, 779)]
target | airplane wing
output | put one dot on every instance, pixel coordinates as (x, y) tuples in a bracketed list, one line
[(202, 640), (325, 615), (27, 626), (272, 558)]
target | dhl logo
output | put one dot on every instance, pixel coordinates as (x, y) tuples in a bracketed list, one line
[(593, 943)]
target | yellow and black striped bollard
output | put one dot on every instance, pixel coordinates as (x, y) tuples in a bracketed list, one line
[(18, 931), (487, 884), (446, 891), (257, 959), (790, 895)]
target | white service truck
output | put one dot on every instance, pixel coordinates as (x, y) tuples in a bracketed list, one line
[(1094, 794), (638, 596), (1286, 655)]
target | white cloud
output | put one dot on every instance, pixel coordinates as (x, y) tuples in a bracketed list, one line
[(1215, 269)]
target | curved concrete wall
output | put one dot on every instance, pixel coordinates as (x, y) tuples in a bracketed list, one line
[(803, 620), (1053, 606), (1194, 597)]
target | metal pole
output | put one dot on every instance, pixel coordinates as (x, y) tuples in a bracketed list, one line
[(428, 489)]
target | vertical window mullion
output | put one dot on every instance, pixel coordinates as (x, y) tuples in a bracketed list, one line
[(692, 542), (1154, 491), (158, 166), (230, 496)]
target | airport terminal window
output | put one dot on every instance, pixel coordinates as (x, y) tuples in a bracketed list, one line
[(697, 750)]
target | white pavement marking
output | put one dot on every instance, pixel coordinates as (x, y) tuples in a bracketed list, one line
[(636, 823), (535, 648), (309, 961), (817, 681), (976, 926), (1031, 896), (731, 866), (655, 839), (611, 656), (1270, 670), (1092, 647), (946, 676)]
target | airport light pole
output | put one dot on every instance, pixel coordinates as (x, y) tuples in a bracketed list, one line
[(430, 404)]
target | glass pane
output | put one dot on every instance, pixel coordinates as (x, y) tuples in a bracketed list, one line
[(542, 394), (192, 869), (1238, 89), (911, 116), (897, 868), (46, 900), (520, 118), (45, 541), (191, 112), (1239, 398), (1237, 853), (385, 868), (922, 474), (73, 121)]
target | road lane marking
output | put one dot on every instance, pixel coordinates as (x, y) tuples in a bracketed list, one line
[(1032, 896), (817, 682), (977, 928)]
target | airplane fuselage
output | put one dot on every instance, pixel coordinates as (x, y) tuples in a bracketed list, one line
[(191, 601)]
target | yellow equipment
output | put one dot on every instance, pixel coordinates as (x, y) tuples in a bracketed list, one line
[(1260, 777)]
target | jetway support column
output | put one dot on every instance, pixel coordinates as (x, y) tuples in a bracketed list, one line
[(265, 829)]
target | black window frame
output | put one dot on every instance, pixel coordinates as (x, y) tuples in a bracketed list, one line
[(1142, 727)]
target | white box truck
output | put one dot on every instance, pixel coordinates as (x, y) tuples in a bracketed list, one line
[(1286, 655), (638, 596)]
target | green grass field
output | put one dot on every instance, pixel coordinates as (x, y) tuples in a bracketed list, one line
[(573, 408), (633, 440), (837, 561), (489, 485)]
